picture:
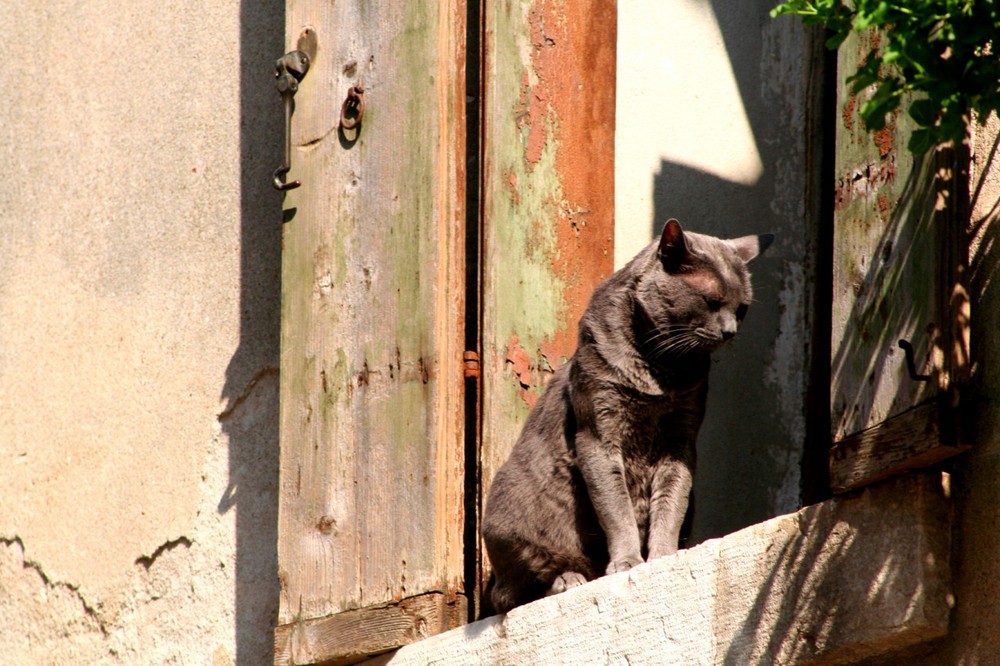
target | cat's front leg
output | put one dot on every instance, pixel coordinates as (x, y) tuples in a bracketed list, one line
[(603, 472), (668, 503)]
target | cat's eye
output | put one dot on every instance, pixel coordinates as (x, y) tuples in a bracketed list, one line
[(713, 304), (741, 311)]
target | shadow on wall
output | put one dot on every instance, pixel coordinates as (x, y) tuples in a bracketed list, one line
[(250, 418), (704, 203), (973, 637), (745, 452), (840, 591), (753, 459), (985, 263)]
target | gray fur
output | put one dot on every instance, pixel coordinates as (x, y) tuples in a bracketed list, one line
[(599, 479)]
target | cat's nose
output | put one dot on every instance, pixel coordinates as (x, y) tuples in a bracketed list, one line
[(728, 334)]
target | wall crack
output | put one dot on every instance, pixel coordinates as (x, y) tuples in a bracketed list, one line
[(35, 566), (146, 561)]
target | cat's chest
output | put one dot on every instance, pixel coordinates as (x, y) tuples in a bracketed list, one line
[(648, 430)]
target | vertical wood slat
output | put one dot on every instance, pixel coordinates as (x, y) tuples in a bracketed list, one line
[(897, 276), (371, 476), (548, 196)]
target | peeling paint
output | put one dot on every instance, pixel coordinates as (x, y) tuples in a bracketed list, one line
[(531, 377), (785, 376), (371, 404), (866, 182), (887, 246), (549, 199)]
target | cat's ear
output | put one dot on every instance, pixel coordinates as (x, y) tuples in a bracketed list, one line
[(673, 249), (749, 247)]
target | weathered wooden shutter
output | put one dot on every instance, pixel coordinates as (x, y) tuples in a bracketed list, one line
[(898, 277), (548, 197), (371, 512), (377, 545)]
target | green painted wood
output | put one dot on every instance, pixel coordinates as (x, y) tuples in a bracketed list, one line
[(886, 240), (372, 471), (897, 275)]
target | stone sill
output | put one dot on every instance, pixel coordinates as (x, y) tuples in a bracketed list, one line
[(835, 583)]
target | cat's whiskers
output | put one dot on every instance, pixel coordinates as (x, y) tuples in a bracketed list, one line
[(675, 340)]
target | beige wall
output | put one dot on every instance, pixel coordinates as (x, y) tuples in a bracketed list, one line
[(139, 250)]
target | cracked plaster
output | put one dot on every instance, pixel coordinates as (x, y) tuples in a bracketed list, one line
[(175, 605)]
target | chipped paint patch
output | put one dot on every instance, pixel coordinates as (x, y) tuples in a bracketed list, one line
[(531, 376), (865, 182), (549, 198)]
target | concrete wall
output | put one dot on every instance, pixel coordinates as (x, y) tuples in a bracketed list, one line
[(717, 126), (139, 262)]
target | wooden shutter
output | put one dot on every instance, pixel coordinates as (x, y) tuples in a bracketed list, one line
[(548, 197), (898, 272), (371, 507), (376, 534)]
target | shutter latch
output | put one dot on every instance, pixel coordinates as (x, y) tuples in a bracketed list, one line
[(289, 70)]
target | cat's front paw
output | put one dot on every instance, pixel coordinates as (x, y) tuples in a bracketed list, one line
[(617, 566), (565, 581), (656, 553)]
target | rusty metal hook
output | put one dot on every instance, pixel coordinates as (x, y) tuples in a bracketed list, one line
[(911, 364), (354, 106), (289, 70)]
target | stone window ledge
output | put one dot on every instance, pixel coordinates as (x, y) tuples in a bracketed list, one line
[(835, 583)]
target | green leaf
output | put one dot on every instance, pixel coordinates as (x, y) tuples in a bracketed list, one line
[(923, 111), (920, 142), (884, 101), (873, 18), (937, 58)]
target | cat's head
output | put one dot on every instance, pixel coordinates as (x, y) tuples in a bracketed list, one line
[(696, 290)]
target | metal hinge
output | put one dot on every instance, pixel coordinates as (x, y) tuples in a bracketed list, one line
[(470, 361)]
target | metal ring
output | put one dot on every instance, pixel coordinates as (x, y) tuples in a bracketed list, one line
[(355, 102)]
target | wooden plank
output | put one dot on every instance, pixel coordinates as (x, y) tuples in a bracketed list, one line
[(371, 505), (349, 637), (912, 440), (548, 197)]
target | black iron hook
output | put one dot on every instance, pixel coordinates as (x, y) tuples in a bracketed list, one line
[(289, 70), (911, 364)]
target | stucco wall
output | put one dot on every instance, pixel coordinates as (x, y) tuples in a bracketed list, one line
[(717, 124), (139, 255)]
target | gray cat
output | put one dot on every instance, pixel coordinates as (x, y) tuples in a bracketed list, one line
[(599, 479)]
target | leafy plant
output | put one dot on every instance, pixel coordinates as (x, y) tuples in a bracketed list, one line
[(942, 51)]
